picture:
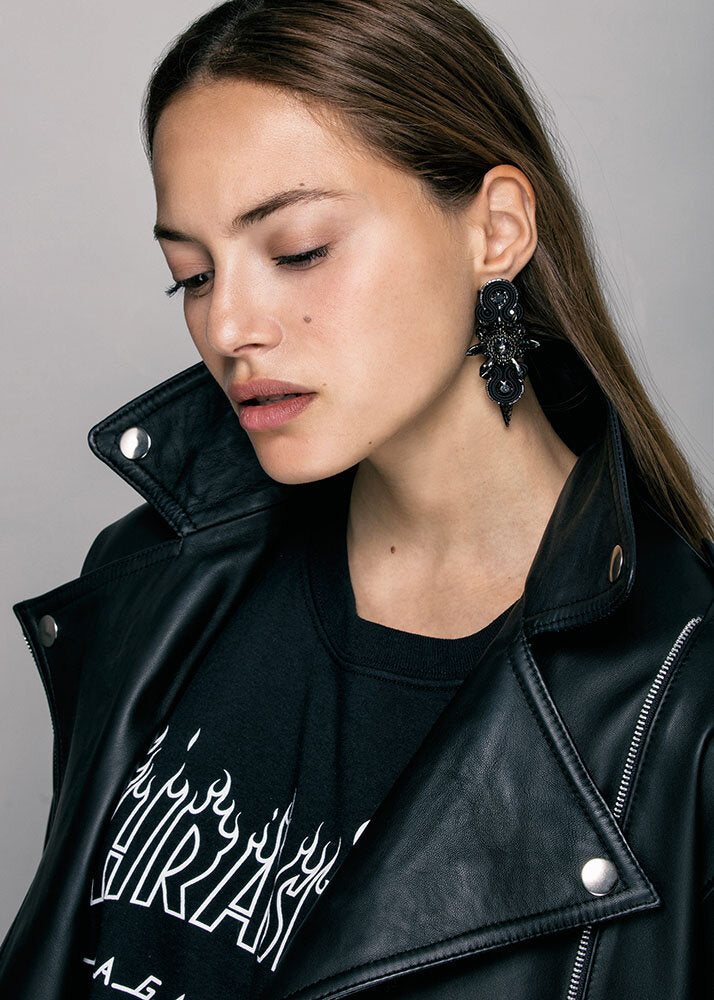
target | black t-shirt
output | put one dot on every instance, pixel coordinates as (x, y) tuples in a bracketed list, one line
[(286, 739)]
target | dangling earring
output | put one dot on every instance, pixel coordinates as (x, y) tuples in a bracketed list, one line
[(503, 341)]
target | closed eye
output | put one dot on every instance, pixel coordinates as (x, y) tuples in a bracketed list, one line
[(300, 261)]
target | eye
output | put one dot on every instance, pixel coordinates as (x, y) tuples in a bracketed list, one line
[(301, 260), (191, 285)]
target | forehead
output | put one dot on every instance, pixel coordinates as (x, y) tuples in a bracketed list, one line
[(240, 125), (236, 138)]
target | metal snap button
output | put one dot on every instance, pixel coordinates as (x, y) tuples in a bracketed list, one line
[(616, 561), (599, 876), (47, 627), (134, 442)]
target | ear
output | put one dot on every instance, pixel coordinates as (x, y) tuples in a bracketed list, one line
[(502, 221)]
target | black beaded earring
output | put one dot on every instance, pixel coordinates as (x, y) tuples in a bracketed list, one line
[(503, 342)]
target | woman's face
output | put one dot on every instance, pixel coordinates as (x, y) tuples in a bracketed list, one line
[(375, 325)]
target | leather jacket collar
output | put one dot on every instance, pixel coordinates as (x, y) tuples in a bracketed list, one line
[(201, 471)]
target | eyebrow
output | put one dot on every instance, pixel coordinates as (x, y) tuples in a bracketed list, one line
[(259, 212)]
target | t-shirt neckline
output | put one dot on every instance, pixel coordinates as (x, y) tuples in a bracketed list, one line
[(369, 644)]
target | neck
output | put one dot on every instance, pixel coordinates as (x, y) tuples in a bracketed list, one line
[(462, 497)]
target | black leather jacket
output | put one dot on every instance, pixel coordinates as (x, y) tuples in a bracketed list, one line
[(584, 732)]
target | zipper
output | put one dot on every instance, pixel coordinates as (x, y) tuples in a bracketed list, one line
[(581, 956), (55, 761), (588, 937)]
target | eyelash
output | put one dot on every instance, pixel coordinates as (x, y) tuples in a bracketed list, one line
[(296, 260)]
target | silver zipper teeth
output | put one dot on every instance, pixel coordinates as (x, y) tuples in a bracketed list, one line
[(644, 715), (579, 963), (626, 782)]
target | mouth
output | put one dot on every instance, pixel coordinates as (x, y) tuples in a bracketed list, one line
[(276, 410), (268, 400)]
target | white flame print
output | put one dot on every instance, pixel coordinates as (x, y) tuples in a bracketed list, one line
[(200, 873)]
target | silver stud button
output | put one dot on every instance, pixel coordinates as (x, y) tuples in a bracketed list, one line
[(134, 442), (616, 561), (47, 627), (599, 876)]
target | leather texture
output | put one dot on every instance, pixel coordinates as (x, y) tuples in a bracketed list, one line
[(584, 731)]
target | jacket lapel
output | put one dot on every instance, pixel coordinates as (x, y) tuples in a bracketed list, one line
[(479, 844)]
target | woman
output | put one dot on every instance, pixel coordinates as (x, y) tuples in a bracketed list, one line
[(401, 685)]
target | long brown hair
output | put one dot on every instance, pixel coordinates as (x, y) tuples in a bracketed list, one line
[(426, 86)]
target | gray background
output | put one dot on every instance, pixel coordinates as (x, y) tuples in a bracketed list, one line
[(86, 326)]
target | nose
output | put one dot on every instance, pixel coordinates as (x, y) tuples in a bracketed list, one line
[(236, 321)]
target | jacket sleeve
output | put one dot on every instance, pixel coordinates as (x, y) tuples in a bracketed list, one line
[(139, 529)]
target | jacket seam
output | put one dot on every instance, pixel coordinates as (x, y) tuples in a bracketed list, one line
[(140, 411), (580, 615), (159, 494), (85, 584), (197, 528), (58, 757), (158, 394), (618, 477), (82, 586), (46, 671)]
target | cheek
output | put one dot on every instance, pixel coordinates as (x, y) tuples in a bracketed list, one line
[(196, 324), (401, 326), (194, 312)]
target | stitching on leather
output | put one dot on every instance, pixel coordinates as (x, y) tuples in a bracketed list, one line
[(235, 517), (85, 585), (195, 373), (141, 410), (554, 925), (557, 618), (173, 511), (77, 592), (618, 476), (56, 731), (600, 807)]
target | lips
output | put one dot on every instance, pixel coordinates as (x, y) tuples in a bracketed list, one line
[(262, 388), (271, 416)]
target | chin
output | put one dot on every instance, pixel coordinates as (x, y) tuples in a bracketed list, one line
[(292, 469)]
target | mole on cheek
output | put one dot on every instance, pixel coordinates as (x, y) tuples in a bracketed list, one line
[(308, 319), (392, 549)]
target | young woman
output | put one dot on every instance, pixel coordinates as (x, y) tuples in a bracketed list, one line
[(401, 684)]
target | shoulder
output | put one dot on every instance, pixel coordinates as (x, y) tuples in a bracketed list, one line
[(140, 529)]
